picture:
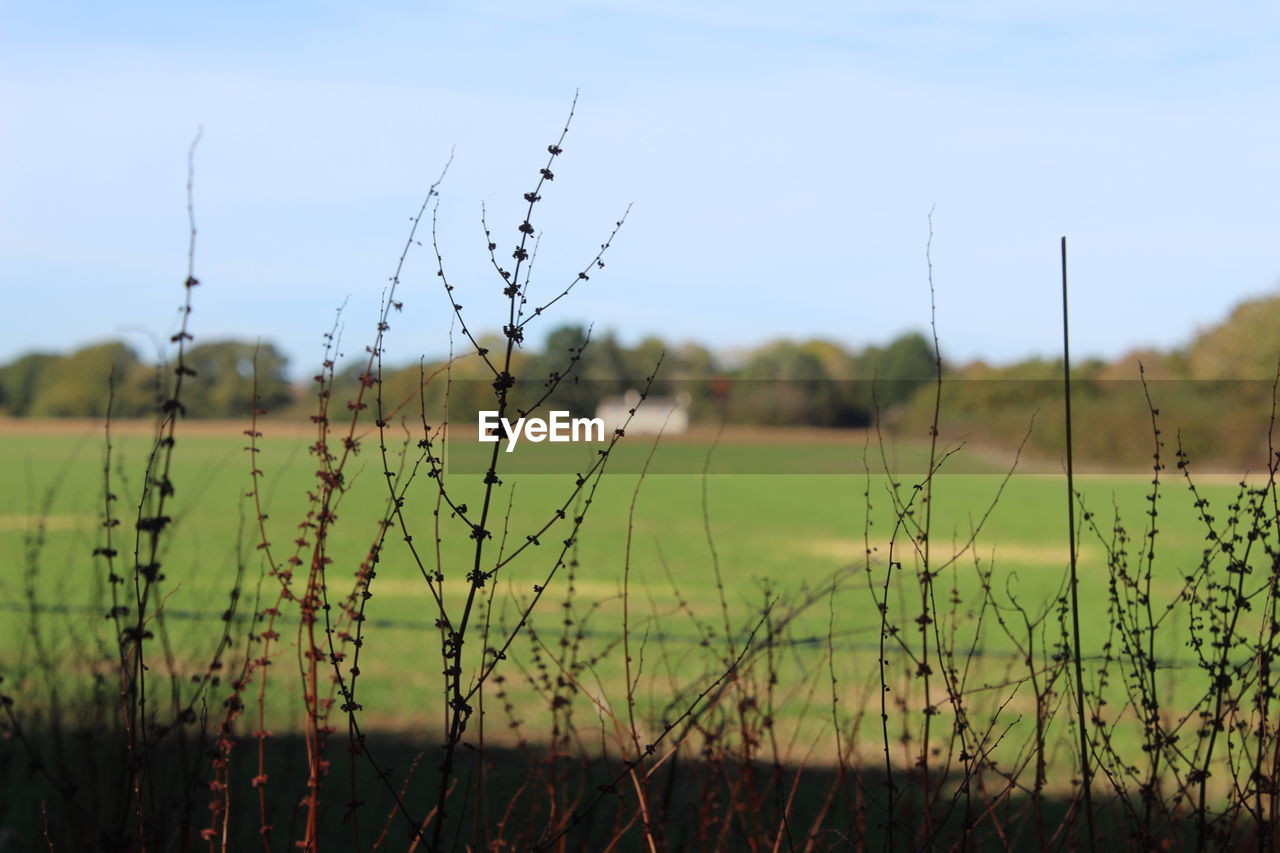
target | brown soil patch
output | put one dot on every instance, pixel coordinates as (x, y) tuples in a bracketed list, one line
[(49, 522), (852, 550)]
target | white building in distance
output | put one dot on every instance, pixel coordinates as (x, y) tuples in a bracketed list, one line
[(653, 415)]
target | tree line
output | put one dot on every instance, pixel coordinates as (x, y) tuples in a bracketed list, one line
[(1212, 399), (816, 383), (83, 383), (1218, 385)]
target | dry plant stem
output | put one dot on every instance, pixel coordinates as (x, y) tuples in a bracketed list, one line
[(1043, 712), (322, 514), (650, 830), (882, 663), (391, 815), (458, 708), (729, 653), (1147, 673), (649, 748), (396, 511), (593, 476), (971, 755), (1077, 651), (1222, 682), (357, 742), (711, 546), (842, 767), (479, 823), (263, 632), (1268, 648), (150, 524), (926, 618), (109, 523), (458, 711), (109, 552), (326, 497), (903, 511)]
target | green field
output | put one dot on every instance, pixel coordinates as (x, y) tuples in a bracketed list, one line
[(776, 535)]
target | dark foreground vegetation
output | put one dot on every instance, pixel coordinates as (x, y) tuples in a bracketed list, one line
[(1080, 734)]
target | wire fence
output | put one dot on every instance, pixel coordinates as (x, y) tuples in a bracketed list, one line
[(837, 641)]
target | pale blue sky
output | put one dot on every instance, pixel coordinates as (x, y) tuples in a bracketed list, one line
[(782, 160)]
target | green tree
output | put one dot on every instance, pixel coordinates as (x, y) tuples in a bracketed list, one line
[(1244, 346), (882, 377), (784, 384), (223, 385), (20, 379), (80, 384)]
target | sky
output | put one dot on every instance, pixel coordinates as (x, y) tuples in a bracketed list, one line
[(781, 162)]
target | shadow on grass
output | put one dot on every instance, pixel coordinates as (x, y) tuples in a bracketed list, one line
[(514, 799)]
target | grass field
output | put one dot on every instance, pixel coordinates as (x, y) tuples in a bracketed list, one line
[(752, 592), (775, 534)]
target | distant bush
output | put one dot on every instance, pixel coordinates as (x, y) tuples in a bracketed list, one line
[(79, 385)]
